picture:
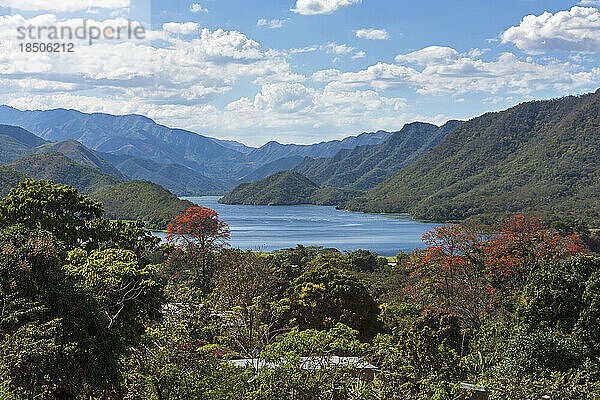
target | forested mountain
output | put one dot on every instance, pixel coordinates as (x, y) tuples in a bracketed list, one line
[(282, 164), (180, 180), (81, 154), (16, 142), (366, 166), (9, 178), (541, 157), (281, 188), (61, 169), (143, 200), (272, 151)]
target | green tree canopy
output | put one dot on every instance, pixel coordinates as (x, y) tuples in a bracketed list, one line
[(57, 209), (322, 297)]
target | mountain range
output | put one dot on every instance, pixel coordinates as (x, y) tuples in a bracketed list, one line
[(140, 137)]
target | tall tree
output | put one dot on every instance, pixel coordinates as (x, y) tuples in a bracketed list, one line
[(195, 234)]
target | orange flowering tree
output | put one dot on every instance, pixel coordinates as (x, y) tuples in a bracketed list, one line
[(197, 233), (522, 244), (470, 271)]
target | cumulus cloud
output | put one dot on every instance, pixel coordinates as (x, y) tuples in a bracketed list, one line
[(372, 34), (63, 5), (196, 8), (440, 71), (360, 54), (273, 24), (186, 28), (339, 49), (577, 29), (316, 7), (428, 55)]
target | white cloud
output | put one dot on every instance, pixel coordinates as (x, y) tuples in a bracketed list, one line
[(186, 28), (372, 34), (316, 7), (195, 8), (445, 71), (273, 24), (339, 49), (360, 54), (431, 54), (63, 5), (589, 3), (577, 29), (308, 49)]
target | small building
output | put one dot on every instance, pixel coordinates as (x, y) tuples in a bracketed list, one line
[(360, 368), (473, 392)]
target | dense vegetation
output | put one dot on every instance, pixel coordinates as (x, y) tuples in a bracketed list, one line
[(98, 309), (141, 200), (60, 168), (364, 167), (9, 178), (540, 157), (281, 188)]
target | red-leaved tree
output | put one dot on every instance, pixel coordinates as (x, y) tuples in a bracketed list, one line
[(197, 233), (470, 271)]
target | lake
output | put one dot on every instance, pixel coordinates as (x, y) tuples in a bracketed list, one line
[(267, 228)]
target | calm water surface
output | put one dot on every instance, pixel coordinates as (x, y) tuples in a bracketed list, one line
[(267, 228)]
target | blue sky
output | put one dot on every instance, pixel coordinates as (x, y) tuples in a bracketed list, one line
[(303, 70)]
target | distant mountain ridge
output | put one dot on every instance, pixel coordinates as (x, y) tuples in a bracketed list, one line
[(281, 164), (133, 135), (179, 179), (16, 142), (273, 150), (139, 136), (81, 154)]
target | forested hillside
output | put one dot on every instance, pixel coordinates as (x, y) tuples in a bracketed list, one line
[(141, 200), (541, 157), (281, 188), (61, 169), (16, 142), (81, 154)]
